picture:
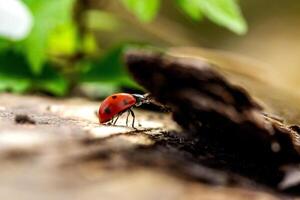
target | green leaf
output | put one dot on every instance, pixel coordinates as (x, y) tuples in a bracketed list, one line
[(50, 81), (16, 85), (13, 74), (16, 76), (89, 44), (145, 10), (47, 16), (109, 69), (223, 12), (4, 44), (191, 9), (63, 40)]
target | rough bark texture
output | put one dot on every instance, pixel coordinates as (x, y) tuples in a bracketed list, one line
[(221, 117)]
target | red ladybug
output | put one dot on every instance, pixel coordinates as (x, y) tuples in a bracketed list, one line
[(117, 104)]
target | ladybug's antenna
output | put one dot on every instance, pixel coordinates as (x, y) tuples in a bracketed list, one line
[(147, 99)]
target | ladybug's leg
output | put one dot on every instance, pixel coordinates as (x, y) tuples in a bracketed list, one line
[(133, 117), (118, 115), (114, 123), (128, 113), (110, 121)]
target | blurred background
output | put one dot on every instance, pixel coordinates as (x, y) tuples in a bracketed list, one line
[(74, 47)]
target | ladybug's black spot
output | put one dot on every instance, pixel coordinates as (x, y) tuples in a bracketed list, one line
[(125, 102), (114, 97), (107, 111)]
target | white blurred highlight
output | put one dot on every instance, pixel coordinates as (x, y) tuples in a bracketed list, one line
[(15, 19)]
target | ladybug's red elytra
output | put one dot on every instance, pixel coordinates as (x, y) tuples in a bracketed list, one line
[(117, 104)]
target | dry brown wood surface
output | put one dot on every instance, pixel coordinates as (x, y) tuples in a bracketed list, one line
[(220, 141), (65, 154)]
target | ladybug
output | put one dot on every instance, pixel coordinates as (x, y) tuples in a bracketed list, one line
[(117, 104)]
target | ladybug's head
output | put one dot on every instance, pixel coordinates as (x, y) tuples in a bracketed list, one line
[(140, 99)]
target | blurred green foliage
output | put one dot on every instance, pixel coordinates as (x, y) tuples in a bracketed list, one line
[(59, 54), (145, 10), (108, 69), (191, 9), (17, 76), (48, 16), (223, 12)]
